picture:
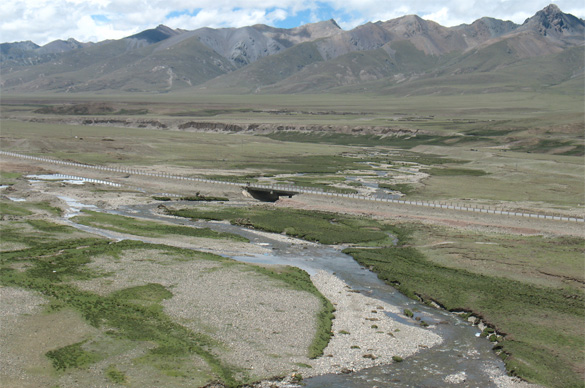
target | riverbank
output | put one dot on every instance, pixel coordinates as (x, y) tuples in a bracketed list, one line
[(350, 343), (258, 321), (363, 334)]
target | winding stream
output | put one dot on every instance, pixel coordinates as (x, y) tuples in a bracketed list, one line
[(462, 353)]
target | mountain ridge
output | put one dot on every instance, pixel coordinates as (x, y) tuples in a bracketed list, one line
[(314, 57)]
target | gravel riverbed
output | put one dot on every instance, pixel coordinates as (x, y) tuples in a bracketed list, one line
[(364, 336)]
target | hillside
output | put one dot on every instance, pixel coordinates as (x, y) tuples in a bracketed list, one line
[(315, 58)]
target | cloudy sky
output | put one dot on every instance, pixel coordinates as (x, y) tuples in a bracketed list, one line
[(43, 21)]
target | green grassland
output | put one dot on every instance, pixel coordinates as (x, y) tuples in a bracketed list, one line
[(505, 147), (21, 228), (202, 151), (50, 258), (473, 113), (323, 182), (11, 208), (486, 174), (544, 339), (325, 228), (57, 264), (136, 227), (546, 261), (134, 314), (8, 178), (499, 176), (529, 288), (529, 143)]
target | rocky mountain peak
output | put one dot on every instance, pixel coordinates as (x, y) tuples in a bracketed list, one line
[(406, 26), (317, 30), (551, 9), (333, 23), (551, 21), (155, 35), (59, 46), (21, 46), (493, 27), (330, 24)]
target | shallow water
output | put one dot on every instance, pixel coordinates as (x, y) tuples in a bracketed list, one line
[(378, 192), (74, 206), (461, 351), (74, 180), (17, 199)]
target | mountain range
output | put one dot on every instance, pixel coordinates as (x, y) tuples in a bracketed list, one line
[(404, 55)]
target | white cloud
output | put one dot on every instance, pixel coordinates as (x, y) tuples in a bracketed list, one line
[(97, 31), (442, 16), (351, 23), (226, 18), (45, 20)]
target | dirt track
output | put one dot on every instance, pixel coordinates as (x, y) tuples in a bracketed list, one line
[(454, 218)]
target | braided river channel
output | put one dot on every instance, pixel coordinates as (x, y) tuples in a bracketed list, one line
[(463, 359)]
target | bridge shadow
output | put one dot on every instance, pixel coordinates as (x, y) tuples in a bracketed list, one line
[(268, 195)]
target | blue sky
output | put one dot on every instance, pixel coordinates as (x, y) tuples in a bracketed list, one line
[(321, 11), (43, 21)]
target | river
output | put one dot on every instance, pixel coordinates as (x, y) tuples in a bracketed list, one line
[(463, 355)]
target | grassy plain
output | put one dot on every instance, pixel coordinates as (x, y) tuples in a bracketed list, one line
[(555, 262), (8, 178), (483, 114), (136, 227), (493, 175), (127, 336), (514, 150), (556, 180), (324, 228), (530, 143), (200, 152), (136, 319), (543, 328)]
